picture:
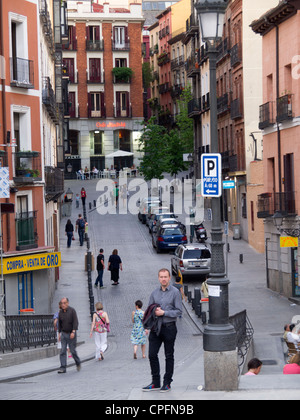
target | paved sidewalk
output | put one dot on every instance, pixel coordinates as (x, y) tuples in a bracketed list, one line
[(267, 311)]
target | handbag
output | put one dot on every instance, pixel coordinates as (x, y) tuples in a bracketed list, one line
[(101, 325)]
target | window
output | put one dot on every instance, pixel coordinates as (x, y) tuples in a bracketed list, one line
[(69, 64), (121, 62), (95, 70), (120, 36), (98, 142), (122, 108), (95, 103)]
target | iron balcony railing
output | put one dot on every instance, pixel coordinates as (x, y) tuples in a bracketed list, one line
[(26, 230), (121, 46), (95, 45), (223, 103), (284, 108), (54, 183), (95, 77), (48, 97), (266, 115), (28, 166), (96, 113), (120, 112), (194, 107), (26, 331), (269, 203), (236, 109), (21, 73), (236, 55)]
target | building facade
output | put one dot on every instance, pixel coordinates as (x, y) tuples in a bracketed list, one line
[(28, 145), (104, 64), (279, 204)]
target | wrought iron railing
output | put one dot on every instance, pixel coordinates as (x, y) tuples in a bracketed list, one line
[(244, 334), (21, 73), (25, 331), (26, 230), (269, 203)]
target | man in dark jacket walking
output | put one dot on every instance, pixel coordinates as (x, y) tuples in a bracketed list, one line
[(170, 307), (67, 327), (100, 269)]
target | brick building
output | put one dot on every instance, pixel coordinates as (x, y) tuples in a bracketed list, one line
[(104, 64)]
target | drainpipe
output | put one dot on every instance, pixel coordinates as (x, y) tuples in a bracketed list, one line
[(278, 130)]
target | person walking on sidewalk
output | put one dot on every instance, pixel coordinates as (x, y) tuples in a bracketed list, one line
[(138, 334), (80, 227), (69, 230), (83, 196), (100, 328), (114, 265), (170, 308), (100, 269), (67, 328)]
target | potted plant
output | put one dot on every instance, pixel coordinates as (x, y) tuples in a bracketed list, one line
[(122, 74)]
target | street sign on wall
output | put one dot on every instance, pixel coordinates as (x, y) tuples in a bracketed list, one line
[(228, 185), (211, 171), (4, 183)]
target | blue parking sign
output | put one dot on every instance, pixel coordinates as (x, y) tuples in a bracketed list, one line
[(211, 171)]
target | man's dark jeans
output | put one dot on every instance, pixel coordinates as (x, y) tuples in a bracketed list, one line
[(99, 278), (65, 341), (81, 236), (167, 336)]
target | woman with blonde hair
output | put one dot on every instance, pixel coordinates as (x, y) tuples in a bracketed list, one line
[(100, 328)]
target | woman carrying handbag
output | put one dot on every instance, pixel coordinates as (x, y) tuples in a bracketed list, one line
[(100, 328)]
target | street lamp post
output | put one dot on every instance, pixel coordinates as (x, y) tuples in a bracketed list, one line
[(219, 337)]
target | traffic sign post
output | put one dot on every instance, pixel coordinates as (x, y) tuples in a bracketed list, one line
[(211, 171)]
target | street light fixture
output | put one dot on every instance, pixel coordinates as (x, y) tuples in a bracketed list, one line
[(69, 194), (293, 231), (219, 337)]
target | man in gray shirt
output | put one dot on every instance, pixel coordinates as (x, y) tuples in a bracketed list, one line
[(170, 301)]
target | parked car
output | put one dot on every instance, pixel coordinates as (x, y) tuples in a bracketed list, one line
[(158, 216), (191, 260), (145, 204), (168, 238), (169, 221), (155, 210)]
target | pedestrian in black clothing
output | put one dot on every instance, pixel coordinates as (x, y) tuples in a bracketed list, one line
[(114, 265), (100, 269), (80, 227), (67, 327), (169, 302), (69, 229)]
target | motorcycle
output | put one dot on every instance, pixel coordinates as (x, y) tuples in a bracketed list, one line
[(200, 232)]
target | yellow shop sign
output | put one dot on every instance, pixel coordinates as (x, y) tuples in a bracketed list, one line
[(288, 242), (31, 262)]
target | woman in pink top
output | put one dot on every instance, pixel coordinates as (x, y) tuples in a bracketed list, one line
[(254, 367), (293, 367)]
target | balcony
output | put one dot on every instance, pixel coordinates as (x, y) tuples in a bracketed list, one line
[(96, 113), (269, 203), (223, 104), (26, 230), (122, 112), (236, 55), (177, 62), (163, 88), (285, 108), (194, 107), (21, 73), (121, 46), (176, 90), (163, 58), (236, 110), (192, 66), (28, 167), (48, 97), (95, 45), (95, 77), (54, 183), (266, 117)]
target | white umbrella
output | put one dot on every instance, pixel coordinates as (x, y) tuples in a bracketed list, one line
[(119, 153)]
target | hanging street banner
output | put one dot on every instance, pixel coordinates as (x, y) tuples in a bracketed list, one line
[(4, 182)]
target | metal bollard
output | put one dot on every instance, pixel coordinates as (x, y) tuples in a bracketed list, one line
[(189, 296), (241, 258)]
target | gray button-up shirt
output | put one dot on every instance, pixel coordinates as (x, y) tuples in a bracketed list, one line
[(169, 300)]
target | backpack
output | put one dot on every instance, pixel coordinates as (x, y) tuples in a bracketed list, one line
[(81, 224)]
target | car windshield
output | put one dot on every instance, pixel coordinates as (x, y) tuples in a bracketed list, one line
[(196, 254), (171, 232)]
